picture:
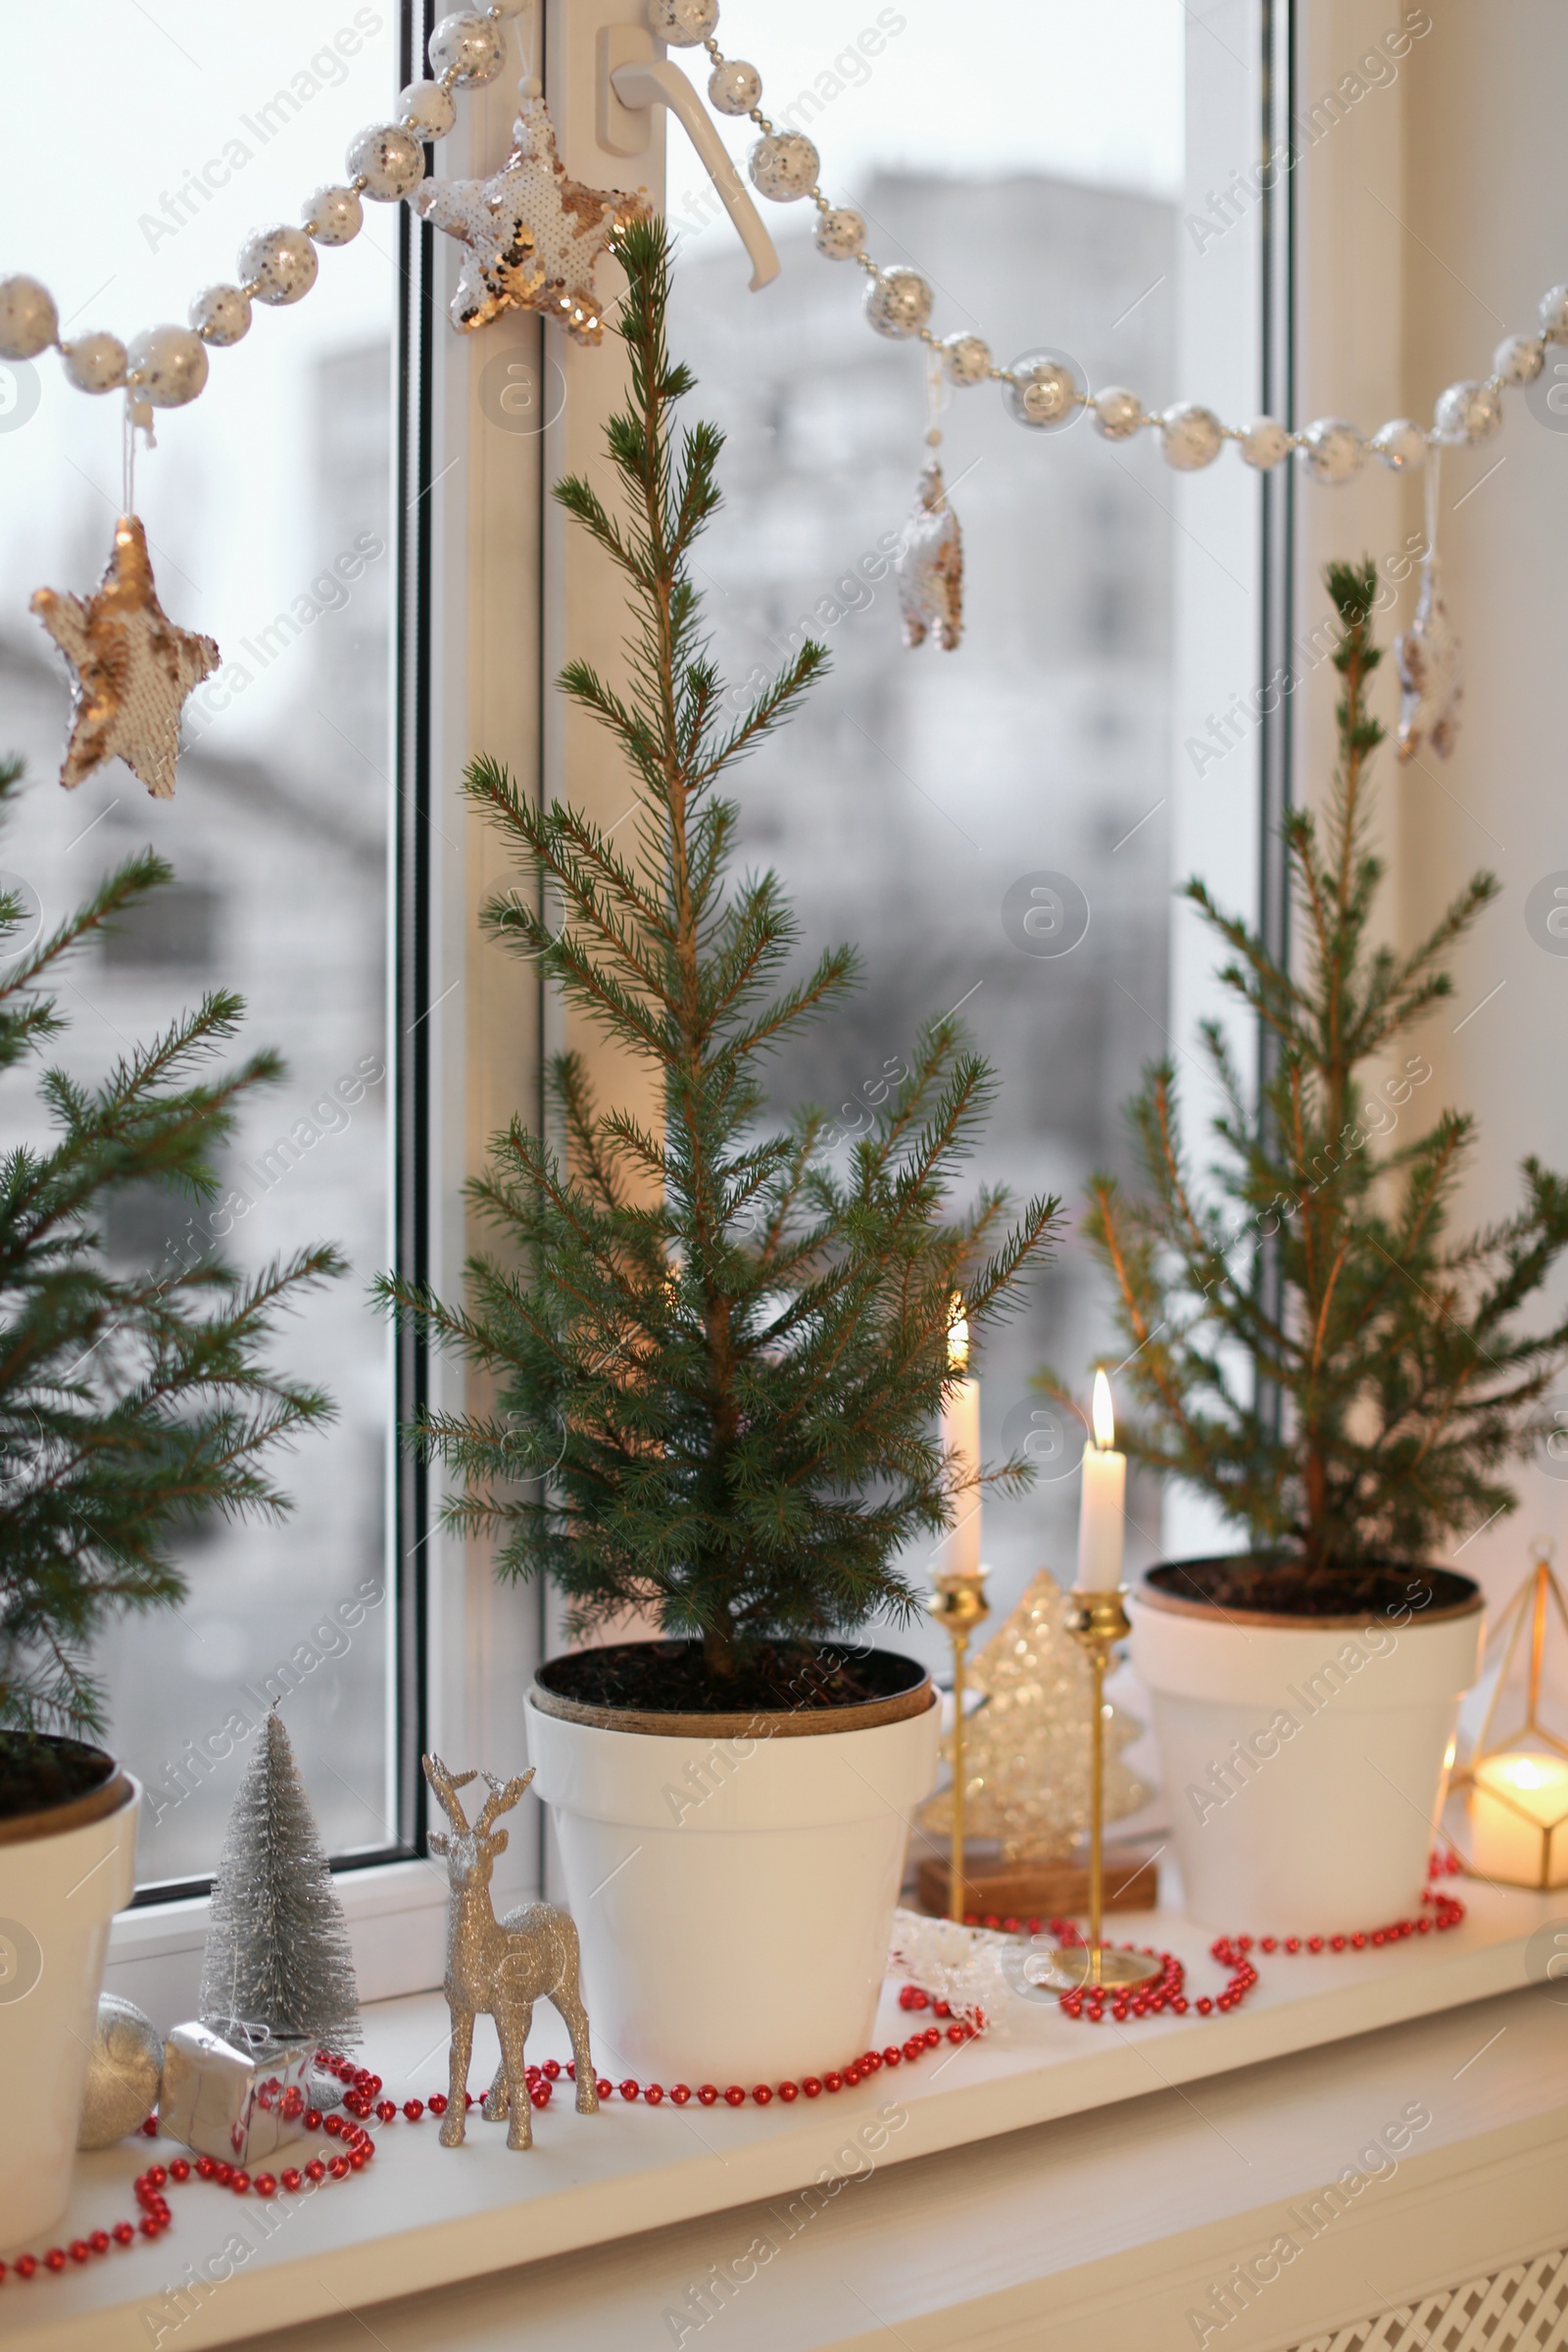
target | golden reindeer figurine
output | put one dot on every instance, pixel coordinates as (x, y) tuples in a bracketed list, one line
[(499, 1968)]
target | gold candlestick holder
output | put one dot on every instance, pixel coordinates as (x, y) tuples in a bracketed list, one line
[(958, 1605), (1099, 1622)]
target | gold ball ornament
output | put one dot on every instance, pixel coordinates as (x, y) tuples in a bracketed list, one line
[(124, 2069)]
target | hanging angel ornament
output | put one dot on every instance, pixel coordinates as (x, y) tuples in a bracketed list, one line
[(534, 235), (1428, 654), (930, 561), (134, 668)]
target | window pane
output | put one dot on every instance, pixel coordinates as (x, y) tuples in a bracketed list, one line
[(267, 508), (989, 826)]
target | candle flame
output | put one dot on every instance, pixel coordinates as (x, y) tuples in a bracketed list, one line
[(1104, 1417), (958, 1335)]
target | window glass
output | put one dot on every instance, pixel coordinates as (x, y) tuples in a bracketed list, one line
[(268, 508), (989, 824)]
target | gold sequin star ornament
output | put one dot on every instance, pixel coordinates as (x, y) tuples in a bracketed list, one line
[(534, 235), (134, 668)]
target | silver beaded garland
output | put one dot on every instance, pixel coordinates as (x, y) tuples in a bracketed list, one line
[(95, 362), (965, 358), (167, 366), (1553, 314), (839, 233), (1264, 443), (1117, 412), (333, 217), (1401, 445), (683, 24), (784, 166), (1332, 451), (427, 110), (387, 161), (1045, 390), (28, 319), (469, 47), (222, 314), (1468, 411), (897, 303), (278, 265), (1518, 359), (734, 87), (1190, 436)]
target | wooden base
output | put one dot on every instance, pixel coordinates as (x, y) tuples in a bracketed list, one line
[(1042, 1890)]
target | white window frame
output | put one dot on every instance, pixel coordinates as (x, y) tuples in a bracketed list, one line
[(512, 588)]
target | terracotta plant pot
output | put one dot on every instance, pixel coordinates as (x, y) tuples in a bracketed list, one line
[(1305, 1758), (64, 1870), (733, 1877)]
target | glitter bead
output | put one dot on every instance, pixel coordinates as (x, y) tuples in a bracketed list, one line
[(965, 358), (466, 46), (1518, 359), (897, 303), (1045, 393), (784, 166), (839, 233), (683, 24), (1468, 411), (1190, 436), (1401, 445), (1117, 412), (734, 87), (333, 217), (95, 362), (1264, 443), (388, 159), (1553, 314), (427, 110), (281, 264), (1332, 451), (167, 366), (29, 322)]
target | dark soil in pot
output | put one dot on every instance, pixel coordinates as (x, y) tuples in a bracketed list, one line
[(1283, 1587), (39, 1772), (672, 1677)]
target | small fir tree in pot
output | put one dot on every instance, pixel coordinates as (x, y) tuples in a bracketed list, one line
[(131, 1405), (718, 1364), (1353, 1412)]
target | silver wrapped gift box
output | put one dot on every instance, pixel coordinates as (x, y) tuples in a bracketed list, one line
[(232, 2102)]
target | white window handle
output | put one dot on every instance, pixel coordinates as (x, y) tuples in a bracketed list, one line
[(647, 81)]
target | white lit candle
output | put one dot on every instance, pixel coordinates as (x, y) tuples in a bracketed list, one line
[(1103, 1513), (960, 1551), (1519, 1820)]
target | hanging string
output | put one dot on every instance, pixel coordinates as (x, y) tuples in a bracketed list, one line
[(1433, 477), (138, 420)]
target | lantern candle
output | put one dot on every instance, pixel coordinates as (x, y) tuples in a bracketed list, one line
[(1103, 1513), (959, 1551), (1519, 1820)]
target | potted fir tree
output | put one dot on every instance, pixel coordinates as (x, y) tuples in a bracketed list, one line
[(130, 1406), (718, 1359), (1313, 1352)]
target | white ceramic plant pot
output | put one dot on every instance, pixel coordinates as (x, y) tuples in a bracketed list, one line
[(63, 1875), (733, 1893), (1304, 1763)]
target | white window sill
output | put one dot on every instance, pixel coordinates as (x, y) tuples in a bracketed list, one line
[(396, 1912), (424, 2218)]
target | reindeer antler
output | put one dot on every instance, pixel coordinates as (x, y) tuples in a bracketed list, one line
[(446, 1786), (502, 1795)]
